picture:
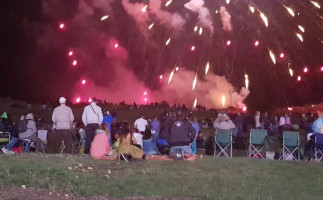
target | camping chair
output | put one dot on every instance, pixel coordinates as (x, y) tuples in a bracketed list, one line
[(4, 137), (223, 139), (318, 147), (290, 145), (257, 143)]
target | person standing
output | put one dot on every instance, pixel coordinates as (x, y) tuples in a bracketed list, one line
[(257, 120), (92, 118), (63, 119), (141, 124)]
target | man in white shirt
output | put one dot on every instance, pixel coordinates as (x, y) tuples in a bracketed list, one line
[(92, 118), (141, 124), (63, 119)]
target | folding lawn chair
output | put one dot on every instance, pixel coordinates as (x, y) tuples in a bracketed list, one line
[(4, 137), (223, 140), (290, 145), (257, 143), (318, 147)]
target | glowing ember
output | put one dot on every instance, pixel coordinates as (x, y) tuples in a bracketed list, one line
[(144, 8), (256, 43), (290, 11), (322, 69), (90, 100), (61, 26), (161, 77), (168, 41), (194, 82), (228, 1), (316, 4), (145, 93), (200, 31), (104, 17), (301, 28), (272, 56), (299, 78), (177, 68), (281, 55), (291, 72), (116, 45), (305, 70), (83, 82), (228, 43), (192, 48), (151, 25), (252, 9), (300, 37), (170, 77), (195, 102), (195, 28), (74, 63), (207, 67), (246, 81), (290, 108), (78, 100), (264, 18), (168, 3), (244, 109), (70, 53), (146, 99), (223, 100)]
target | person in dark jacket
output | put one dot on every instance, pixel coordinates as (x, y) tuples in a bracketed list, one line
[(181, 135)]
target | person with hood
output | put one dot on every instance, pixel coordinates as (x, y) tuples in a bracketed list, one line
[(63, 119), (92, 118), (30, 134), (223, 122)]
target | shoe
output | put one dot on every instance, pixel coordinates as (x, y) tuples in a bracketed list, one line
[(124, 157), (7, 151)]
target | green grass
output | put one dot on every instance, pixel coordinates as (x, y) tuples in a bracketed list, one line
[(206, 178)]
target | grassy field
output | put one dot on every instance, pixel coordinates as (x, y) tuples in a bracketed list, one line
[(205, 178)]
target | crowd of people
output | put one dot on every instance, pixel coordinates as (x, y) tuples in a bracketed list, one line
[(171, 134)]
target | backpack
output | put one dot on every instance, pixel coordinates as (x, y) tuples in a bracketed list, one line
[(22, 125)]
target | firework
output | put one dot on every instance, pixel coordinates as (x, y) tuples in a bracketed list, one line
[(194, 82), (170, 77), (104, 17), (168, 3), (290, 11), (228, 1), (244, 109), (256, 43), (264, 18), (228, 42), (300, 37), (70, 53), (322, 69), (301, 28), (316, 4), (299, 78), (177, 68), (195, 102), (116, 45), (83, 82), (252, 9), (272, 56), (305, 70), (246, 81), (291, 72), (78, 100), (90, 100), (74, 63), (281, 55), (195, 28), (151, 25), (192, 48), (200, 31), (144, 8), (161, 77), (207, 67), (145, 93), (168, 41), (223, 100), (146, 99), (61, 26)]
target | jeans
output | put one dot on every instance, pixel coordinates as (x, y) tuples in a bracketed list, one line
[(12, 143), (194, 149)]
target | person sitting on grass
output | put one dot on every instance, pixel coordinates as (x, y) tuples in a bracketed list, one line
[(101, 145), (149, 145), (181, 135), (138, 137), (127, 146)]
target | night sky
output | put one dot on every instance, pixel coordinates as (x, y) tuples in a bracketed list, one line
[(35, 66)]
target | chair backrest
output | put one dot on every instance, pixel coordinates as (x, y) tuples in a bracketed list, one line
[(42, 134), (223, 136), (291, 138), (319, 141), (258, 136)]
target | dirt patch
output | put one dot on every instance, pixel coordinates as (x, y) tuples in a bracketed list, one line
[(21, 193)]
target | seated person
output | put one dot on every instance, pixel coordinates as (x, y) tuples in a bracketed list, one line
[(223, 122), (149, 146), (181, 135), (138, 137), (101, 145), (30, 134), (126, 145)]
